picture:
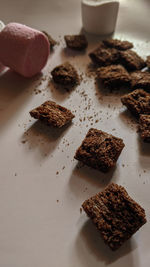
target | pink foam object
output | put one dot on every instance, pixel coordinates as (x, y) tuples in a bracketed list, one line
[(2, 67), (23, 49)]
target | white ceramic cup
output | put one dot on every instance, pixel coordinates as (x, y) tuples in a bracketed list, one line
[(99, 16)]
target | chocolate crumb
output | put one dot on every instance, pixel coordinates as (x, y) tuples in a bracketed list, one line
[(144, 127), (76, 42), (99, 150), (138, 102), (131, 60), (23, 141), (115, 214), (118, 44), (52, 42), (114, 76), (103, 56), (52, 114), (65, 75)]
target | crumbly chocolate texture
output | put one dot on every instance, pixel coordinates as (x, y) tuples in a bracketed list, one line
[(52, 42), (115, 214), (131, 60), (65, 75), (140, 79), (138, 102), (99, 150), (144, 128), (113, 76), (52, 114), (103, 56), (148, 62), (76, 42), (118, 44)]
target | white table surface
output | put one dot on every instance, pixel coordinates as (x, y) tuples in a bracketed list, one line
[(35, 229)]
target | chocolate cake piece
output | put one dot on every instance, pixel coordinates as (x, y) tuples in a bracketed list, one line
[(99, 150), (52, 114), (138, 102), (118, 44), (115, 214), (52, 42), (140, 80), (65, 75), (113, 76), (148, 62), (103, 56), (144, 127), (76, 42), (131, 60)]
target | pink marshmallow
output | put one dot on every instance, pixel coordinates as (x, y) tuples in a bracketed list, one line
[(23, 49), (2, 67)]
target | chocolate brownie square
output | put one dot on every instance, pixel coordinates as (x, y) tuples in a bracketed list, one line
[(140, 80), (52, 42), (148, 62), (115, 214), (52, 114), (144, 127), (65, 75), (76, 42), (113, 76), (103, 56), (138, 102), (131, 60), (118, 44), (99, 150)]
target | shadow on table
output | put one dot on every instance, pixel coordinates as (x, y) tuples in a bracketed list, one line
[(144, 148), (68, 52), (108, 95), (44, 138), (144, 154), (59, 93), (14, 92), (89, 238), (83, 176), (128, 119)]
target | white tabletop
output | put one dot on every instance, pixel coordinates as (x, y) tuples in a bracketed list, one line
[(41, 189)]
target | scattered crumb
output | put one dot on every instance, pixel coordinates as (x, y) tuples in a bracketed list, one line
[(23, 141), (85, 189), (37, 91)]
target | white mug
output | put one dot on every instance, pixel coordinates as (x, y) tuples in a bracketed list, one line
[(99, 16)]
